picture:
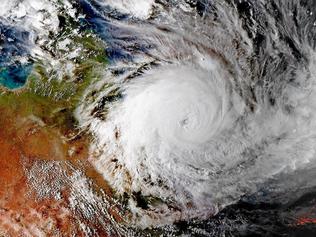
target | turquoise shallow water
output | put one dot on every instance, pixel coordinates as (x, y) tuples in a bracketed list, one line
[(14, 76), (14, 44)]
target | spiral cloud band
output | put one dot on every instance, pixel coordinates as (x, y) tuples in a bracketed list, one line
[(166, 122), (192, 124)]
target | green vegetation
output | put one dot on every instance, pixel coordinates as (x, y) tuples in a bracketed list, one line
[(71, 62)]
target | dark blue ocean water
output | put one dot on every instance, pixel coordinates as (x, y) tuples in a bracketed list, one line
[(120, 43), (15, 76), (14, 44)]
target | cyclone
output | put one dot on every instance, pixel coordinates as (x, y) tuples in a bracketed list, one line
[(158, 118), (201, 115), (166, 125)]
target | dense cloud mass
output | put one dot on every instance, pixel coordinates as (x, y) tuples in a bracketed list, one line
[(220, 102), (191, 107)]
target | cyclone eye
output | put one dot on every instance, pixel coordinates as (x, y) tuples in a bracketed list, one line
[(184, 122)]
